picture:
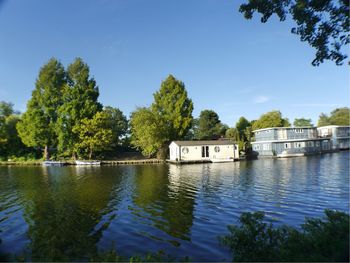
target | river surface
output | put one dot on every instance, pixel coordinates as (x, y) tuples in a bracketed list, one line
[(67, 213)]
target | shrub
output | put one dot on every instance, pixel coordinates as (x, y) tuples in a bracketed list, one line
[(322, 240)]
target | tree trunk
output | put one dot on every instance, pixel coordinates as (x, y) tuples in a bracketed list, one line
[(46, 152), (90, 154)]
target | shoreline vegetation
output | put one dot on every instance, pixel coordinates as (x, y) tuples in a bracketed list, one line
[(64, 120), (252, 239)]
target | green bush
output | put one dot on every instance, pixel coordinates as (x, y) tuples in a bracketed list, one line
[(321, 240)]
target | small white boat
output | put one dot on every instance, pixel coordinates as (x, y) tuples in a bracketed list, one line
[(87, 162), (222, 160), (54, 163)]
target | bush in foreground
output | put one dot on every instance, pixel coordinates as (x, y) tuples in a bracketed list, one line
[(321, 240)]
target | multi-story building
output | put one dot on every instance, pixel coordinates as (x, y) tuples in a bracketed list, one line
[(286, 141), (338, 135)]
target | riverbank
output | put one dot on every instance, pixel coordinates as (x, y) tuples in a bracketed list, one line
[(71, 162)]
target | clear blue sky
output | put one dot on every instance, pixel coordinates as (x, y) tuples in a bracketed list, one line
[(231, 65)]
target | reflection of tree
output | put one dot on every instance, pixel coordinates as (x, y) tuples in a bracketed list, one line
[(62, 210), (171, 209)]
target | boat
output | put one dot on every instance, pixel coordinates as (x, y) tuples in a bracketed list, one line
[(221, 160), (77, 162), (53, 163)]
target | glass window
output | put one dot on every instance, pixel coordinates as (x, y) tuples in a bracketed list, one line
[(216, 149), (185, 150)]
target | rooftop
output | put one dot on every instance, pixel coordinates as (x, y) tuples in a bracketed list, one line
[(211, 142)]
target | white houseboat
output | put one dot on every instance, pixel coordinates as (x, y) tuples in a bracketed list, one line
[(203, 151)]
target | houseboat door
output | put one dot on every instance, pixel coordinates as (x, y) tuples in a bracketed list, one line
[(205, 151)]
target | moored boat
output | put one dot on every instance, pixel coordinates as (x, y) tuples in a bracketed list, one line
[(53, 163), (79, 162)]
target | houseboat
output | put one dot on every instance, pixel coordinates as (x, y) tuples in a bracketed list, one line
[(339, 136), (289, 142), (203, 151)]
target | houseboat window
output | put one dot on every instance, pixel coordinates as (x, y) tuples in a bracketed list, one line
[(266, 146), (317, 143), (205, 151), (185, 150), (286, 145), (217, 149), (235, 147), (298, 130)]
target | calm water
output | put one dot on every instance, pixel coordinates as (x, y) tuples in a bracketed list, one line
[(50, 212)]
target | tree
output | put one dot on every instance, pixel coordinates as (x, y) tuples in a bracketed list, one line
[(232, 133), (80, 102), (209, 126), (94, 134), (117, 122), (241, 125), (323, 120), (323, 24), (302, 122), (37, 127), (271, 119), (146, 133), (339, 116), (174, 108), (6, 109)]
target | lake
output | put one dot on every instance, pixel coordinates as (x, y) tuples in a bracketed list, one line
[(65, 213)]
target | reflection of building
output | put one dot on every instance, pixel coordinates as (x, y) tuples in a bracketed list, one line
[(286, 141), (338, 135), (203, 151)]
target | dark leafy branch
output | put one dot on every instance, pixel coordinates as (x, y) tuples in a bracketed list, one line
[(323, 24)]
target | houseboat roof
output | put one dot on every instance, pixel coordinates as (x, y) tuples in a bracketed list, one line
[(199, 143), (334, 126), (284, 128)]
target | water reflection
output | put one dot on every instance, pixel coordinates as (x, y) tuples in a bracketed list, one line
[(167, 202), (62, 211), (68, 213)]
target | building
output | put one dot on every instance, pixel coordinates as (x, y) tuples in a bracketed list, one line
[(286, 142), (203, 151), (338, 135)]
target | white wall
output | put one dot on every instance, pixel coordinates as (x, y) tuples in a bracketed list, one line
[(195, 152)]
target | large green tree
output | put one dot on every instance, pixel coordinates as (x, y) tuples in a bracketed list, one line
[(271, 119), (117, 122), (94, 135), (146, 133), (302, 122), (339, 116), (209, 126), (324, 24), (169, 118), (79, 102), (37, 127), (174, 108)]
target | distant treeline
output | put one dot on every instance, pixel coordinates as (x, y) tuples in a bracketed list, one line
[(64, 119)]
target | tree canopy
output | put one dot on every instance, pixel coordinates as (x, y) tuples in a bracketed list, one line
[(169, 118), (146, 134), (174, 108), (94, 134), (302, 122), (323, 24), (38, 125), (271, 119), (209, 126), (339, 116), (80, 101)]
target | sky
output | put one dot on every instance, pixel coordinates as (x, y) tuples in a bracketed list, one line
[(231, 65)]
